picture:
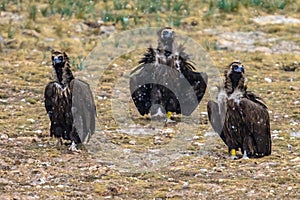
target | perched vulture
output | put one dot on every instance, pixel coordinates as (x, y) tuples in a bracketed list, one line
[(165, 81), (69, 104), (240, 117)]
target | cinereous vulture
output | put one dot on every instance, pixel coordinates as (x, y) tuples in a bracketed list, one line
[(239, 116), (69, 104), (165, 82)]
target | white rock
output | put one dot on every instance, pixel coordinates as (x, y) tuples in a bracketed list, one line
[(196, 137), (210, 134), (31, 120), (3, 136), (38, 131), (295, 159), (268, 80), (295, 134), (132, 142)]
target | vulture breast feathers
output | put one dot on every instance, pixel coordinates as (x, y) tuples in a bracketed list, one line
[(69, 104), (239, 116), (165, 80)]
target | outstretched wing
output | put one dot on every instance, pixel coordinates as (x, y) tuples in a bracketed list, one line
[(257, 124), (83, 109), (141, 87), (198, 84), (161, 84)]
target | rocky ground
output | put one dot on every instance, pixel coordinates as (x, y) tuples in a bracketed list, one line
[(132, 157)]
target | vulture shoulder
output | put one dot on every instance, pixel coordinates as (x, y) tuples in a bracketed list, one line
[(49, 97)]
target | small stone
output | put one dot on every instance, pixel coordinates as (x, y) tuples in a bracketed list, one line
[(132, 142), (31, 33), (203, 170), (196, 137), (31, 120), (295, 159), (185, 185), (295, 134), (157, 140), (171, 179), (3, 136), (38, 131), (268, 80)]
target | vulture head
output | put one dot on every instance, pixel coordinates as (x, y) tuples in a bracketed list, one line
[(60, 63), (59, 58), (165, 39), (234, 77)]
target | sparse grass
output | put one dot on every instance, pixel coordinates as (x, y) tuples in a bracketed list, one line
[(32, 12), (10, 30)]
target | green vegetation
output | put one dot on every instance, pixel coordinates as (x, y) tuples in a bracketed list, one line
[(130, 13)]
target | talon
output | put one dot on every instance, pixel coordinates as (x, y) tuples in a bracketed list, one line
[(73, 147), (59, 143), (245, 155), (233, 154), (169, 115), (169, 118)]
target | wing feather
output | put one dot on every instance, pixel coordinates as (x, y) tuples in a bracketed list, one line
[(215, 119), (176, 92), (257, 123), (83, 109)]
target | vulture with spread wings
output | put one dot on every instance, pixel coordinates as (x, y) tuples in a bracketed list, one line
[(69, 104), (165, 81), (239, 116)]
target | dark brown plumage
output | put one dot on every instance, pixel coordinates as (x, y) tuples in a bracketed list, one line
[(165, 80), (69, 103), (239, 116)]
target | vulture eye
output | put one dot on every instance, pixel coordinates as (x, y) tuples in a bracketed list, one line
[(234, 67), (57, 59)]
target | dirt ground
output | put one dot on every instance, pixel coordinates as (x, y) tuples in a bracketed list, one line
[(135, 157)]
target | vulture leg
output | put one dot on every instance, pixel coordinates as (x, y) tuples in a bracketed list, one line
[(169, 118), (59, 142), (248, 147), (73, 147), (245, 156), (232, 153)]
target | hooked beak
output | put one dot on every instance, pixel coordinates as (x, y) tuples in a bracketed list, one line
[(57, 60)]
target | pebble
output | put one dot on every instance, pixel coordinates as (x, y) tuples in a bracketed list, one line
[(38, 131), (295, 134), (31, 120), (203, 170), (196, 137), (268, 80), (295, 159), (275, 19), (3, 136), (132, 142)]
